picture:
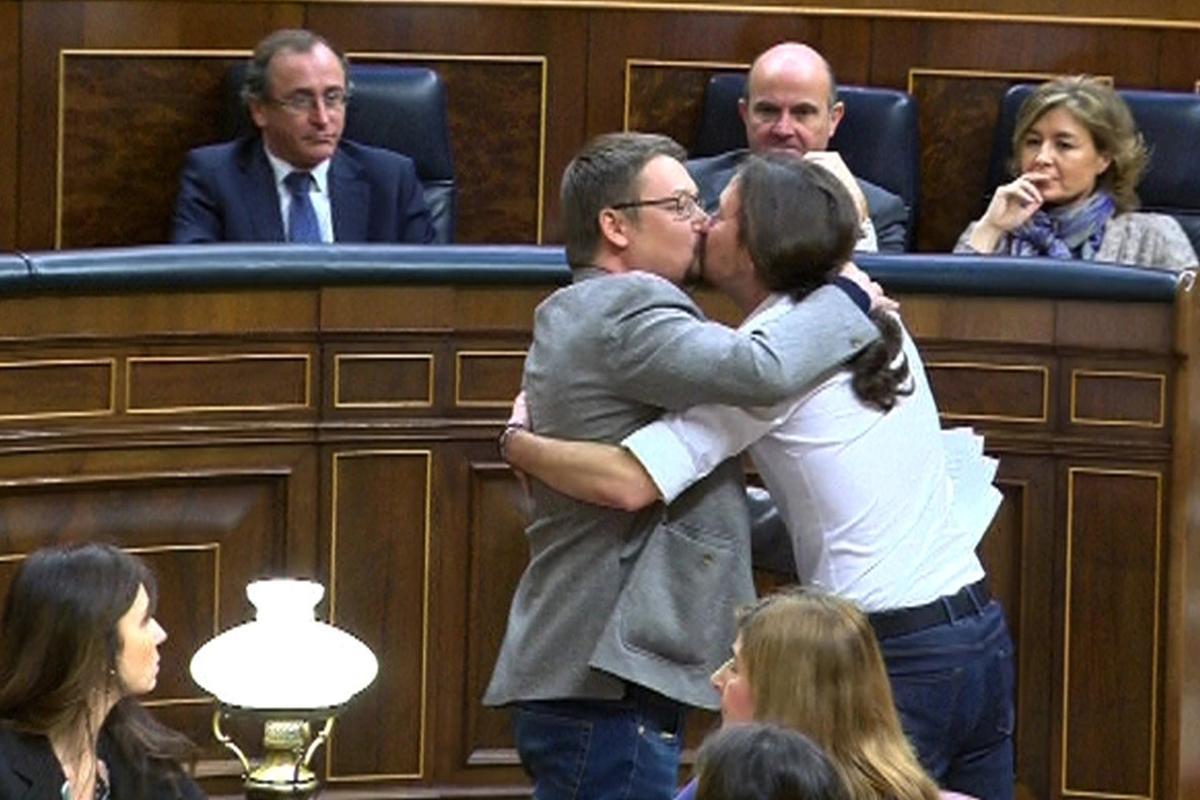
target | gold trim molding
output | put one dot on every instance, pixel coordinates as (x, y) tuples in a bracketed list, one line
[(1044, 371), (109, 362), (333, 584), (1066, 644), (306, 358), (338, 358), (1122, 423), (458, 359)]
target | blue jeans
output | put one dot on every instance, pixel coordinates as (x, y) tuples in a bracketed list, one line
[(953, 685), (600, 749)]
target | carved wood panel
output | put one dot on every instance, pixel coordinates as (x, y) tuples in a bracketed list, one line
[(10, 33), (1111, 638), (379, 589), (205, 532), (174, 100)]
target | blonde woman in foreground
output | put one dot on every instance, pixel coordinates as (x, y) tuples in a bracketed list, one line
[(809, 661)]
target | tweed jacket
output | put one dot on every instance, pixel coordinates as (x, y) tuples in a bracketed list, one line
[(646, 597)]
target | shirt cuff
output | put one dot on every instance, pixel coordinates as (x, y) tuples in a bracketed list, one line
[(664, 457), (855, 292), (867, 242)]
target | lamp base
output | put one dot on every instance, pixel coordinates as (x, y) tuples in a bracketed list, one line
[(283, 770), (288, 748)]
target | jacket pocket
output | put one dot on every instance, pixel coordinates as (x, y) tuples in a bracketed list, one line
[(678, 602)]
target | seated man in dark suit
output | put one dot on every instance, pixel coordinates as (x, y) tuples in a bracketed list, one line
[(297, 181), (792, 105)]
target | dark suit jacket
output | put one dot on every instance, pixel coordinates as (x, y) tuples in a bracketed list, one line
[(889, 215), (30, 771), (227, 194)]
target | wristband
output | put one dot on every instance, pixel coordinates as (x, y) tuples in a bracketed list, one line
[(505, 435)]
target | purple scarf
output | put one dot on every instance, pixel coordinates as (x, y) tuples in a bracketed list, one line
[(1074, 232)]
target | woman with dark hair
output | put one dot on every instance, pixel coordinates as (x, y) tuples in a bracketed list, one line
[(1078, 157), (78, 644), (765, 762)]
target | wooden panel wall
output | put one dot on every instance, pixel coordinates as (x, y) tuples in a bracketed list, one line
[(346, 434), (131, 85), (10, 37)]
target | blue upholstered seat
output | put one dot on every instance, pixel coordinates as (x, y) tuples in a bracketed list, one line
[(877, 139), (1170, 124), (402, 109)]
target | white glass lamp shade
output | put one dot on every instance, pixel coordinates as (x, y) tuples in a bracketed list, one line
[(285, 659)]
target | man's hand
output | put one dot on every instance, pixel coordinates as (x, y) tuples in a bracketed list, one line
[(518, 420), (832, 161), (879, 300)]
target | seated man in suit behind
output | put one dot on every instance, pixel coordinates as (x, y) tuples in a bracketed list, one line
[(298, 181), (792, 104)]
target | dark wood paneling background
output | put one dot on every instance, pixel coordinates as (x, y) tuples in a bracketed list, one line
[(10, 38), (527, 84), (360, 451)]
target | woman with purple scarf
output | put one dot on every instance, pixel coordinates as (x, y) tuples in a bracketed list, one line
[(1080, 157)]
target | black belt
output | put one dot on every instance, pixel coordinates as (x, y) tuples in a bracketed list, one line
[(968, 601), (667, 714)]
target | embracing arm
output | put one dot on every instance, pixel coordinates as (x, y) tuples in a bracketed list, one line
[(660, 352), (604, 474)]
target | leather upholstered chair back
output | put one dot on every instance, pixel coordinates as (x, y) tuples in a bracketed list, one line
[(1169, 123), (397, 108), (877, 139)]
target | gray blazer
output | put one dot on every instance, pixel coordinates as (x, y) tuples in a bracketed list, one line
[(888, 213), (647, 597)]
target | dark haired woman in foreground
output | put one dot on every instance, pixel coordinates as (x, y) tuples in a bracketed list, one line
[(765, 762), (78, 643)]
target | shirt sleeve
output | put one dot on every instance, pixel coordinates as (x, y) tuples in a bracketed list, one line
[(867, 242), (680, 449)]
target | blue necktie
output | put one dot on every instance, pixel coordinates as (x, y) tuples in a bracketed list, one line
[(302, 219)]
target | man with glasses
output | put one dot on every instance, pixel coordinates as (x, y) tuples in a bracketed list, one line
[(791, 104), (298, 180), (620, 618)]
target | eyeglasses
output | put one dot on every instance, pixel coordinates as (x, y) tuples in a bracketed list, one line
[(306, 102), (682, 205)]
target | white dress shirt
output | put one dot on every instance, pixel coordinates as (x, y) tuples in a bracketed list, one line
[(319, 194), (865, 495)]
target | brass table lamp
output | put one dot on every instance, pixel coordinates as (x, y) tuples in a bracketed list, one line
[(289, 670)]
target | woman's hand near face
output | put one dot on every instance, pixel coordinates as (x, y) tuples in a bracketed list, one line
[(1011, 206)]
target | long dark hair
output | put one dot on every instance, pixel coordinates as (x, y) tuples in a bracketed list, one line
[(59, 646), (799, 226)]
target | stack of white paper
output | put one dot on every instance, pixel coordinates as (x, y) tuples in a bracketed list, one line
[(971, 475)]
